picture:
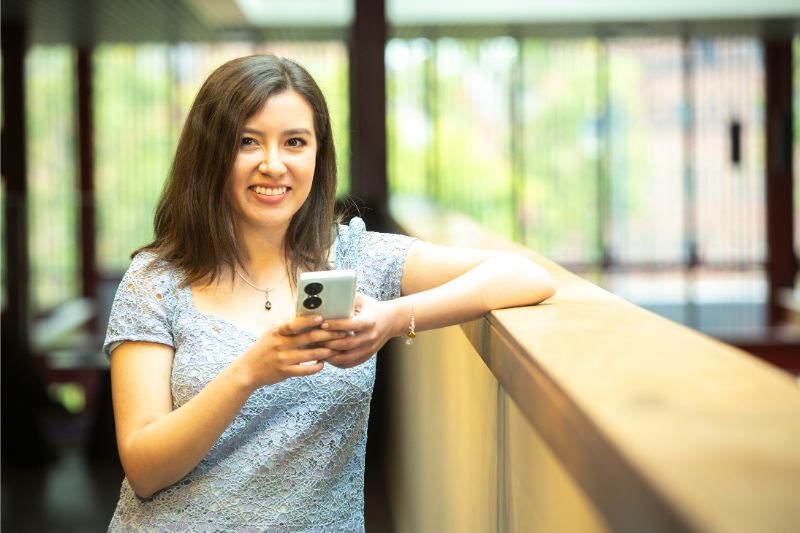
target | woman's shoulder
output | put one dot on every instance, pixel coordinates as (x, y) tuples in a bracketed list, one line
[(353, 240), (148, 262), (377, 257), (354, 229), (149, 269)]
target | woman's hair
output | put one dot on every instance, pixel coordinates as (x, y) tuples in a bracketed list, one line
[(194, 229)]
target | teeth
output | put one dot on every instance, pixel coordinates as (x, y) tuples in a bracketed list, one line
[(269, 191)]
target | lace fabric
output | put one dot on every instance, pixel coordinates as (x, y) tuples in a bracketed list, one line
[(293, 458)]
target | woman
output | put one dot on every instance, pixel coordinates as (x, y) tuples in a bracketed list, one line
[(212, 433)]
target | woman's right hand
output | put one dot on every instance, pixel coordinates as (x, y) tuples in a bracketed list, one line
[(288, 350)]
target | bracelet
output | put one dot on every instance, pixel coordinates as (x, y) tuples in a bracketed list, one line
[(411, 333)]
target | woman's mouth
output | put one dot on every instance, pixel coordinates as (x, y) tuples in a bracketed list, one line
[(269, 191)]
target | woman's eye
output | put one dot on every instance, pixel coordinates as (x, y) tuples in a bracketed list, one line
[(248, 141), (296, 142)]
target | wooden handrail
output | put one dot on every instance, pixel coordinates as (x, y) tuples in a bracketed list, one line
[(664, 428)]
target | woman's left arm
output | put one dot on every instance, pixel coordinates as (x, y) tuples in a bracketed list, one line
[(446, 286)]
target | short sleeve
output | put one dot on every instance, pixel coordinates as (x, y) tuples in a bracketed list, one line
[(144, 304), (378, 258)]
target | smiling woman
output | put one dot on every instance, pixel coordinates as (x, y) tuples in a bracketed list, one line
[(274, 167), (226, 130), (232, 413)]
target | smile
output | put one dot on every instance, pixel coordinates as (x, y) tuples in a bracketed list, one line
[(269, 191)]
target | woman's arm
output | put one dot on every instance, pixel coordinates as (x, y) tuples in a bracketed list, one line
[(448, 286), (454, 285), (158, 445)]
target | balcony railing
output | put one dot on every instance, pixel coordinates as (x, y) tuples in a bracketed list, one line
[(584, 413)]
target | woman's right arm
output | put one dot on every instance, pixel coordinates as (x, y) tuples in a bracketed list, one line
[(158, 446)]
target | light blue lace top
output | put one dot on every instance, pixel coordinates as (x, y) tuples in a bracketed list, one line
[(293, 458)]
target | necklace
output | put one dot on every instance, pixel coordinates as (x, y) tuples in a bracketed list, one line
[(267, 303)]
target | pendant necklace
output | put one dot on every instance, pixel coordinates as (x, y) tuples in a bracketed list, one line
[(267, 303)]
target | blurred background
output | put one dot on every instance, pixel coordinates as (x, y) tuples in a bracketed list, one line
[(648, 148)]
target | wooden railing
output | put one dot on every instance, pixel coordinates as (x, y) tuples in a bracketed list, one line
[(584, 413)]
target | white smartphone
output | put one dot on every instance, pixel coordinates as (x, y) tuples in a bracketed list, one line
[(329, 293)]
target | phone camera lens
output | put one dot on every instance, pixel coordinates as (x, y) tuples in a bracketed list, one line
[(313, 289), (312, 302)]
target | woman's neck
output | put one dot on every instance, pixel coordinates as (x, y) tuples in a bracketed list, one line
[(264, 260)]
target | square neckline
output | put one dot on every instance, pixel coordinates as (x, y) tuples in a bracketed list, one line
[(211, 318)]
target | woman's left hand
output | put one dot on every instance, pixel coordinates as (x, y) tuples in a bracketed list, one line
[(370, 327)]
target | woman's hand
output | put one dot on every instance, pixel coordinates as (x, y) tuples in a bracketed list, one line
[(373, 323), (294, 348)]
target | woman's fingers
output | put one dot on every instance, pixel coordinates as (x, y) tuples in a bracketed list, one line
[(313, 337), (299, 324), (304, 343), (307, 370), (349, 359), (302, 362), (346, 343), (304, 357), (302, 331), (357, 323)]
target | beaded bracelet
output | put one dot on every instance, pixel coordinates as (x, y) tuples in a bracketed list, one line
[(411, 333)]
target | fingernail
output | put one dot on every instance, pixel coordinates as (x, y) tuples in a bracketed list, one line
[(351, 333), (325, 325), (317, 319)]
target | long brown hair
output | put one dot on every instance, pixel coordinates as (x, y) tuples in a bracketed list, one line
[(193, 226)]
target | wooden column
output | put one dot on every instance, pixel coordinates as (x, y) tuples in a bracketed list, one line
[(368, 187), (85, 134), (14, 168), (368, 110), (23, 393), (781, 260)]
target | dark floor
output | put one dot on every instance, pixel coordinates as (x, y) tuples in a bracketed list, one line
[(54, 485), (70, 494), (76, 491)]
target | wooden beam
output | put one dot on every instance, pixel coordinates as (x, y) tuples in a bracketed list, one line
[(85, 134), (663, 428), (16, 314), (23, 393), (781, 260), (368, 183)]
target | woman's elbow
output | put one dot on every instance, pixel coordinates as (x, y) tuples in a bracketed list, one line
[(526, 282), (141, 485), (142, 494), (139, 477), (539, 281), (544, 286), (549, 290)]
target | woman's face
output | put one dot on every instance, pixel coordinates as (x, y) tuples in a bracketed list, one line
[(274, 167)]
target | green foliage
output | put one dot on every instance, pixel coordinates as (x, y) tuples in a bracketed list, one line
[(567, 145), (453, 137), (135, 137), (53, 192)]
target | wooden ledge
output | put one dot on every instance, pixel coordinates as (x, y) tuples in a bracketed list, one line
[(664, 428)]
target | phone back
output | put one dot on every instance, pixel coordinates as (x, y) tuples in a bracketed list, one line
[(328, 293)]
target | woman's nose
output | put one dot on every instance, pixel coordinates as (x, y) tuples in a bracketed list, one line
[(272, 163)]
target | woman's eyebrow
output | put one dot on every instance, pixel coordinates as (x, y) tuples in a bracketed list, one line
[(292, 131), (297, 131)]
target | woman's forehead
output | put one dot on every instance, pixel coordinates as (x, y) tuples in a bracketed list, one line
[(286, 106)]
